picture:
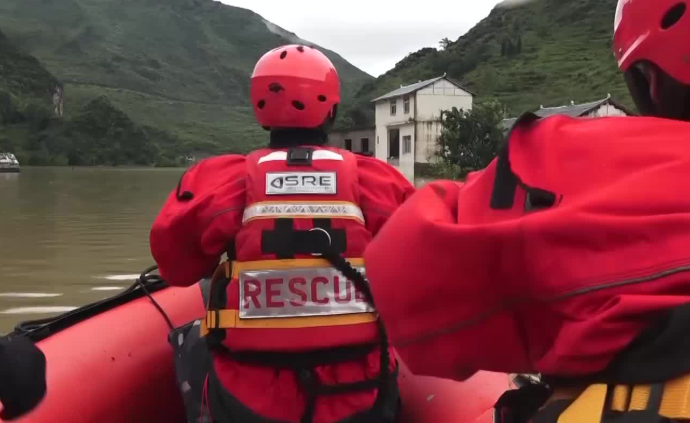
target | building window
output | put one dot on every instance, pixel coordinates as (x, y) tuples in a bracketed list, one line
[(407, 144), (348, 145), (365, 145), (394, 107), (406, 104)]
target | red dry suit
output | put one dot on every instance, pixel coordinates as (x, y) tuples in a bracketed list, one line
[(551, 260), (281, 303)]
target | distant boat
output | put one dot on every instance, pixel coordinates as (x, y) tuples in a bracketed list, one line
[(8, 163)]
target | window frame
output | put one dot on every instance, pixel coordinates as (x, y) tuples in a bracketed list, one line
[(407, 144)]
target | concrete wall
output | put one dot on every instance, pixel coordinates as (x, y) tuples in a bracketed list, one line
[(337, 139), (407, 159), (442, 95), (384, 119), (427, 136)]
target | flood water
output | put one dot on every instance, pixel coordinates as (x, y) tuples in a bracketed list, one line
[(69, 237)]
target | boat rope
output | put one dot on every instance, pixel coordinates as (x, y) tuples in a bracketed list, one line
[(145, 278)]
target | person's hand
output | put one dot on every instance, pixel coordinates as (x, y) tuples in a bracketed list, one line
[(22, 376)]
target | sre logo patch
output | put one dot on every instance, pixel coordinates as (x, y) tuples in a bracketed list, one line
[(301, 183)]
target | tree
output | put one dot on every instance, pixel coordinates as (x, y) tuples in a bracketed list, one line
[(470, 139), (519, 44), (504, 48), (445, 43)]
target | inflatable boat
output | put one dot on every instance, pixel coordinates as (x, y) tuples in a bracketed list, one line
[(111, 361)]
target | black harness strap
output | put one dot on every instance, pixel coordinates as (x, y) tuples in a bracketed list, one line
[(309, 381), (300, 360), (285, 241)]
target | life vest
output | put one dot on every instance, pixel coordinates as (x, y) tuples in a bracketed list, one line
[(292, 293), (551, 260), (663, 402), (280, 294)]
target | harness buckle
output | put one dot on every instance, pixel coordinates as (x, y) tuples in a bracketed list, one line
[(213, 319), (330, 240)]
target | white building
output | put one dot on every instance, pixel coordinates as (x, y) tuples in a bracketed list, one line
[(407, 121), (599, 108)]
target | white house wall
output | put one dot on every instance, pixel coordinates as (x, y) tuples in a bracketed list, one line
[(442, 95), (426, 145), (607, 110), (384, 120), (407, 160)]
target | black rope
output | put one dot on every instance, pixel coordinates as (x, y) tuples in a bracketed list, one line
[(361, 283), (145, 278), (344, 267)]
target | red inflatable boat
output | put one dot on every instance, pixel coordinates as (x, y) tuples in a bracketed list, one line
[(111, 362)]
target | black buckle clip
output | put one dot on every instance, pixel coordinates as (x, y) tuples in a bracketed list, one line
[(300, 156)]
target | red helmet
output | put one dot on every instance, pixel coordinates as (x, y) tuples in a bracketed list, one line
[(294, 86), (657, 31)]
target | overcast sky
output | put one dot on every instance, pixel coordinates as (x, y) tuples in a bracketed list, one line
[(372, 34)]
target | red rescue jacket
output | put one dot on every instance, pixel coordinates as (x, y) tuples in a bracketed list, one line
[(205, 212), (278, 297), (549, 261)]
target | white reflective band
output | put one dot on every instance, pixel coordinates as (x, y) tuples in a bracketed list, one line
[(298, 293), (318, 155), (305, 209)]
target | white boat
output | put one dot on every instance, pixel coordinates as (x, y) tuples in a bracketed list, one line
[(8, 163)]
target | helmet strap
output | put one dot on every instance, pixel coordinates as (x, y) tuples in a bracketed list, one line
[(658, 94)]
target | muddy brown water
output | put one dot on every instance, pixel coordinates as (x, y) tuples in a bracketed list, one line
[(71, 236)]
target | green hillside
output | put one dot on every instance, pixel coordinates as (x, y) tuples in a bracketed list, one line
[(97, 133), (547, 52), (178, 65)]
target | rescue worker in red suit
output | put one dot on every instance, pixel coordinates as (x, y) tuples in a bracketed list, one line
[(292, 335), (473, 317)]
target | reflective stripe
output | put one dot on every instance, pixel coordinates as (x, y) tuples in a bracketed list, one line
[(277, 156), (230, 319), (240, 266), (298, 292), (270, 210)]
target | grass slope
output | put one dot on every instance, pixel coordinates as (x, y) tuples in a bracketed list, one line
[(181, 65), (547, 52)]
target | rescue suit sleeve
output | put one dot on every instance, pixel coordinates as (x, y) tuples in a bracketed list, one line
[(416, 244), (198, 219), (382, 190)]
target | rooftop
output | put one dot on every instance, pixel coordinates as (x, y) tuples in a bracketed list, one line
[(572, 110), (409, 89)]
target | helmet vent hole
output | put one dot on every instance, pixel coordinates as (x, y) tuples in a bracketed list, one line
[(673, 15), (283, 55), (298, 105), (322, 98), (275, 88), (261, 104), (300, 49)]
